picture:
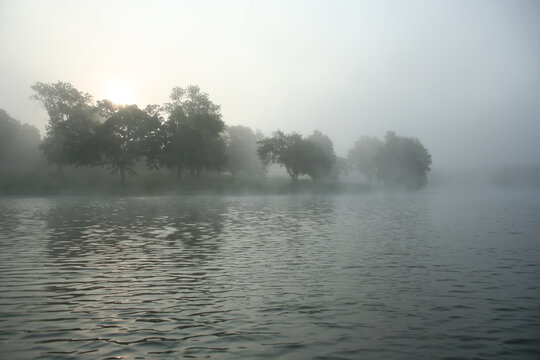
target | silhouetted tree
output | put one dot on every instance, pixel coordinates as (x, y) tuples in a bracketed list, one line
[(403, 162), (80, 138), (241, 151), (299, 156), (106, 108), (192, 133), (363, 154), (128, 135), (174, 134), (280, 149), (61, 101), (155, 140)]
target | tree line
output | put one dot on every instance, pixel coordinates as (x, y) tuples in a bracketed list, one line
[(188, 134)]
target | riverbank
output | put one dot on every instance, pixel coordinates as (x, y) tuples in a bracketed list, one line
[(81, 182)]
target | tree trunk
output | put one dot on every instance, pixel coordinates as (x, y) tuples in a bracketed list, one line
[(178, 173)]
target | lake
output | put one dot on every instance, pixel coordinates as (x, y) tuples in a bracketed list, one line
[(434, 275)]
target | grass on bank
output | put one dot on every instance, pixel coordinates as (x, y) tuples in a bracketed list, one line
[(75, 181)]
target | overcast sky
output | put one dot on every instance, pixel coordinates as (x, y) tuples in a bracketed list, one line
[(462, 76)]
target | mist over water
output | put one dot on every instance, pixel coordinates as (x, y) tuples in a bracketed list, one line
[(400, 276)]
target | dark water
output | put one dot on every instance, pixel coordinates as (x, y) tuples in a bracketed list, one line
[(402, 276)]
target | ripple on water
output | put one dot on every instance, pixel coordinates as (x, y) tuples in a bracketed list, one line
[(373, 276)]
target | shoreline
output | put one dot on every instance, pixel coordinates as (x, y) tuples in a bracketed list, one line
[(154, 185)]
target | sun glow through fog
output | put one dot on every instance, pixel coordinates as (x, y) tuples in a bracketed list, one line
[(119, 92)]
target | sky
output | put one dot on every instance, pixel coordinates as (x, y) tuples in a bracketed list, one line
[(461, 76)]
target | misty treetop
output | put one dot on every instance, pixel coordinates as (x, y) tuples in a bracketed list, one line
[(60, 100), (188, 132), (397, 162)]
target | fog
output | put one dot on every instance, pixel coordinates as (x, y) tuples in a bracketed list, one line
[(269, 179), (463, 77)]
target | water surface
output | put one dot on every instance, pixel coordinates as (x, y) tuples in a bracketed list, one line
[(395, 276)]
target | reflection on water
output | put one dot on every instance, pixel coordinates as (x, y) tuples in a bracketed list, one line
[(121, 229), (372, 276)]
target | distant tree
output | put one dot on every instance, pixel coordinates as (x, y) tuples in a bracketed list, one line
[(323, 162), (242, 158), (403, 162), (363, 155), (280, 149), (128, 135), (61, 101), (299, 156), (324, 142), (192, 134), (19, 143)]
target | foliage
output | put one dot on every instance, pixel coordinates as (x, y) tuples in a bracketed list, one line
[(241, 151), (64, 105), (106, 108), (324, 159), (189, 133), (299, 156), (79, 138), (60, 100), (192, 133), (403, 162), (128, 135)]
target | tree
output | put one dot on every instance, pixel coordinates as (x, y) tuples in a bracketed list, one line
[(61, 101), (154, 141), (280, 149), (324, 159), (403, 162), (175, 137), (19, 143), (128, 135), (363, 154), (241, 142), (79, 135), (192, 134), (299, 156)]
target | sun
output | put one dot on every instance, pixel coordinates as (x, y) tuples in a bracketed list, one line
[(119, 92)]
